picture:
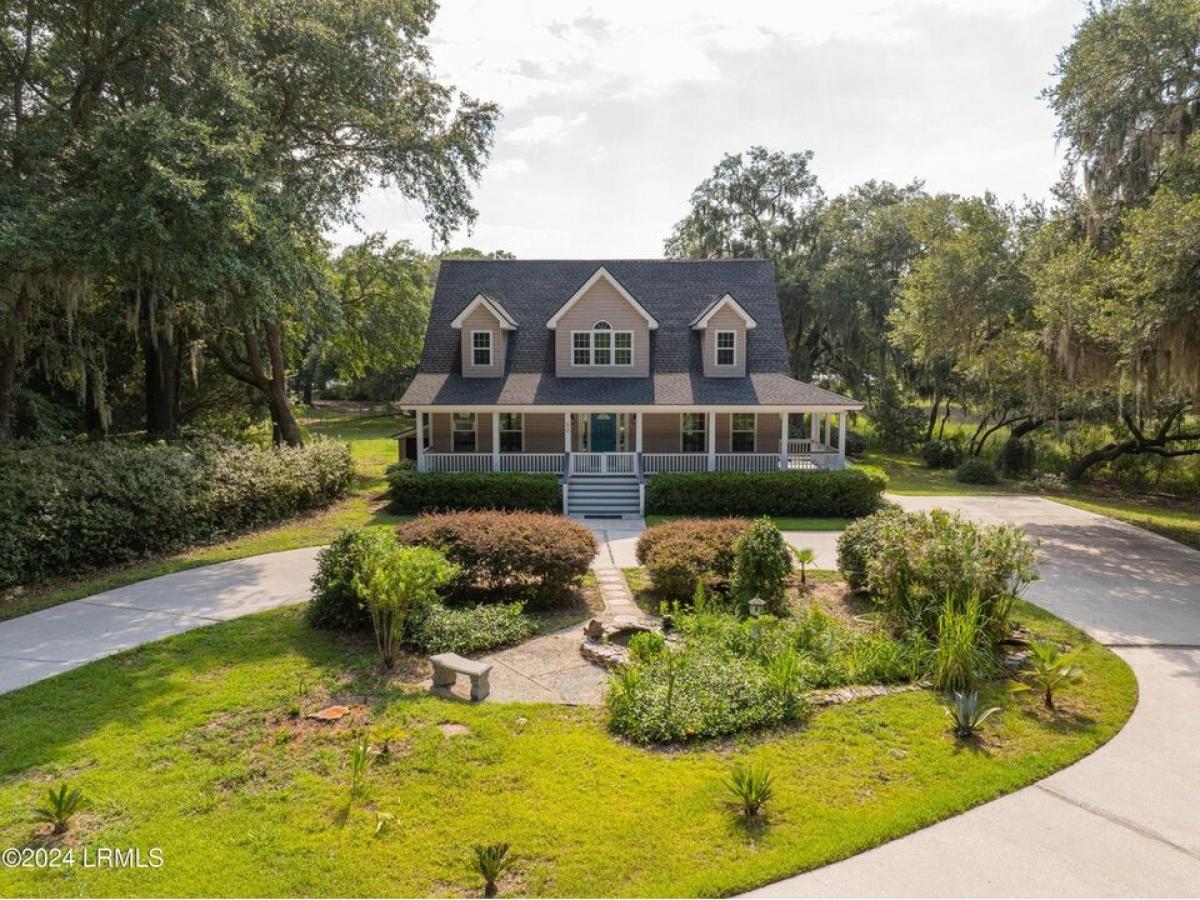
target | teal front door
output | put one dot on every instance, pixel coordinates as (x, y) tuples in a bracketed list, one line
[(603, 433)]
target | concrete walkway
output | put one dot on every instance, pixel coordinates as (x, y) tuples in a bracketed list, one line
[(1123, 821)]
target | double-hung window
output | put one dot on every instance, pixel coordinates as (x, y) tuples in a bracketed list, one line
[(512, 433), (726, 348), (602, 346), (692, 433), (741, 433), (481, 348), (464, 432)]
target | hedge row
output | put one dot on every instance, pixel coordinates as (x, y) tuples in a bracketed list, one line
[(67, 509), (417, 492), (854, 491)]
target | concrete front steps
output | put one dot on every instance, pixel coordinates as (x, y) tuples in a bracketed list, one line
[(603, 495)]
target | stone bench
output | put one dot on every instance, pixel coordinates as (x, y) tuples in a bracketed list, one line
[(448, 666)]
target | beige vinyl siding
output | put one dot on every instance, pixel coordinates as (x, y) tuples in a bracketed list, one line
[(767, 433), (723, 432), (481, 319), (439, 433), (725, 320), (543, 432), (660, 433), (602, 302)]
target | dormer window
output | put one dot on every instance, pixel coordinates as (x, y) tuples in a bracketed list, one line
[(726, 348), (602, 346), (481, 348)]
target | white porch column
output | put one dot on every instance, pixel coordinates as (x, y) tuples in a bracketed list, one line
[(814, 426), (842, 439), (566, 449), (710, 430), (420, 441), (495, 442), (783, 442), (828, 430), (638, 425)]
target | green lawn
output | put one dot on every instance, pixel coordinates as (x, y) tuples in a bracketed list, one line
[(372, 449), (907, 474), (187, 745), (784, 523)]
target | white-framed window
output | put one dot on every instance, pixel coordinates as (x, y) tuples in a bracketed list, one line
[(481, 348), (726, 348), (692, 432), (741, 432), (602, 346), (464, 433), (512, 432)]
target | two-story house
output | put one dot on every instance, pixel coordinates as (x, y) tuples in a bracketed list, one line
[(609, 371)]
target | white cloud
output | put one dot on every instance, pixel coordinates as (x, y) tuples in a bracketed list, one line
[(551, 129), (506, 168)]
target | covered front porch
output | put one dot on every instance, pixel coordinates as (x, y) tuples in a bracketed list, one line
[(630, 442)]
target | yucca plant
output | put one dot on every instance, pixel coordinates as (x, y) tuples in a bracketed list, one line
[(60, 806), (360, 763), (967, 715), (806, 557), (752, 787), (491, 862), (1050, 670)]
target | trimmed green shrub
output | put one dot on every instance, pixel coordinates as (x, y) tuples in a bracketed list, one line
[(507, 555), (66, 509), (853, 491), (680, 555), (762, 564), (474, 629), (336, 603), (417, 492), (856, 444), (941, 454), (976, 471)]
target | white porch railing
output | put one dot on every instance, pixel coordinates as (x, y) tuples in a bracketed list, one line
[(653, 463), (747, 462), (458, 462), (533, 463), (805, 445), (603, 464)]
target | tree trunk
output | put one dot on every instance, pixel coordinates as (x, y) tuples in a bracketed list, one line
[(307, 396), (12, 358), (945, 418), (162, 380), (287, 429), (934, 409), (1138, 443)]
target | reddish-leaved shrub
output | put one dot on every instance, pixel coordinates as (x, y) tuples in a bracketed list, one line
[(679, 555), (532, 556)]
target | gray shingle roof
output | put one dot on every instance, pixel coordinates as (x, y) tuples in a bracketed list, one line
[(674, 292)]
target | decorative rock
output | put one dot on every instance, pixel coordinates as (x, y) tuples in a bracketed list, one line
[(608, 655), (833, 696), (329, 713), (454, 729)]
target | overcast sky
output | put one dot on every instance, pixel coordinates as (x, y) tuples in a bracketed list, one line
[(614, 111)]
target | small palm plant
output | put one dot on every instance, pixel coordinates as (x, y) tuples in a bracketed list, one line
[(491, 862), (966, 714), (1051, 670), (752, 787), (806, 557), (360, 763), (60, 806)]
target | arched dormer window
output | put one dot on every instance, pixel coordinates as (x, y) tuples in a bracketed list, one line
[(601, 346)]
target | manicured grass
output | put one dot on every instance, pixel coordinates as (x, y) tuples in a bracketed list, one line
[(187, 745), (907, 474), (784, 523), (372, 449)]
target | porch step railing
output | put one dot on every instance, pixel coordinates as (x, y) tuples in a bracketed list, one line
[(805, 445), (533, 463), (603, 464)]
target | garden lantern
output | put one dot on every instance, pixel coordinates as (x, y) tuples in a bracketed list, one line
[(757, 605)]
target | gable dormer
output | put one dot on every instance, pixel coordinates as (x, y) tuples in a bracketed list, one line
[(724, 336), (485, 325), (602, 331)]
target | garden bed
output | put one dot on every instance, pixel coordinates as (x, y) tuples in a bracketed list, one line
[(188, 745)]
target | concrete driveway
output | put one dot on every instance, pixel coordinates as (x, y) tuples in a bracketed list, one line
[(63, 637), (1123, 821)]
